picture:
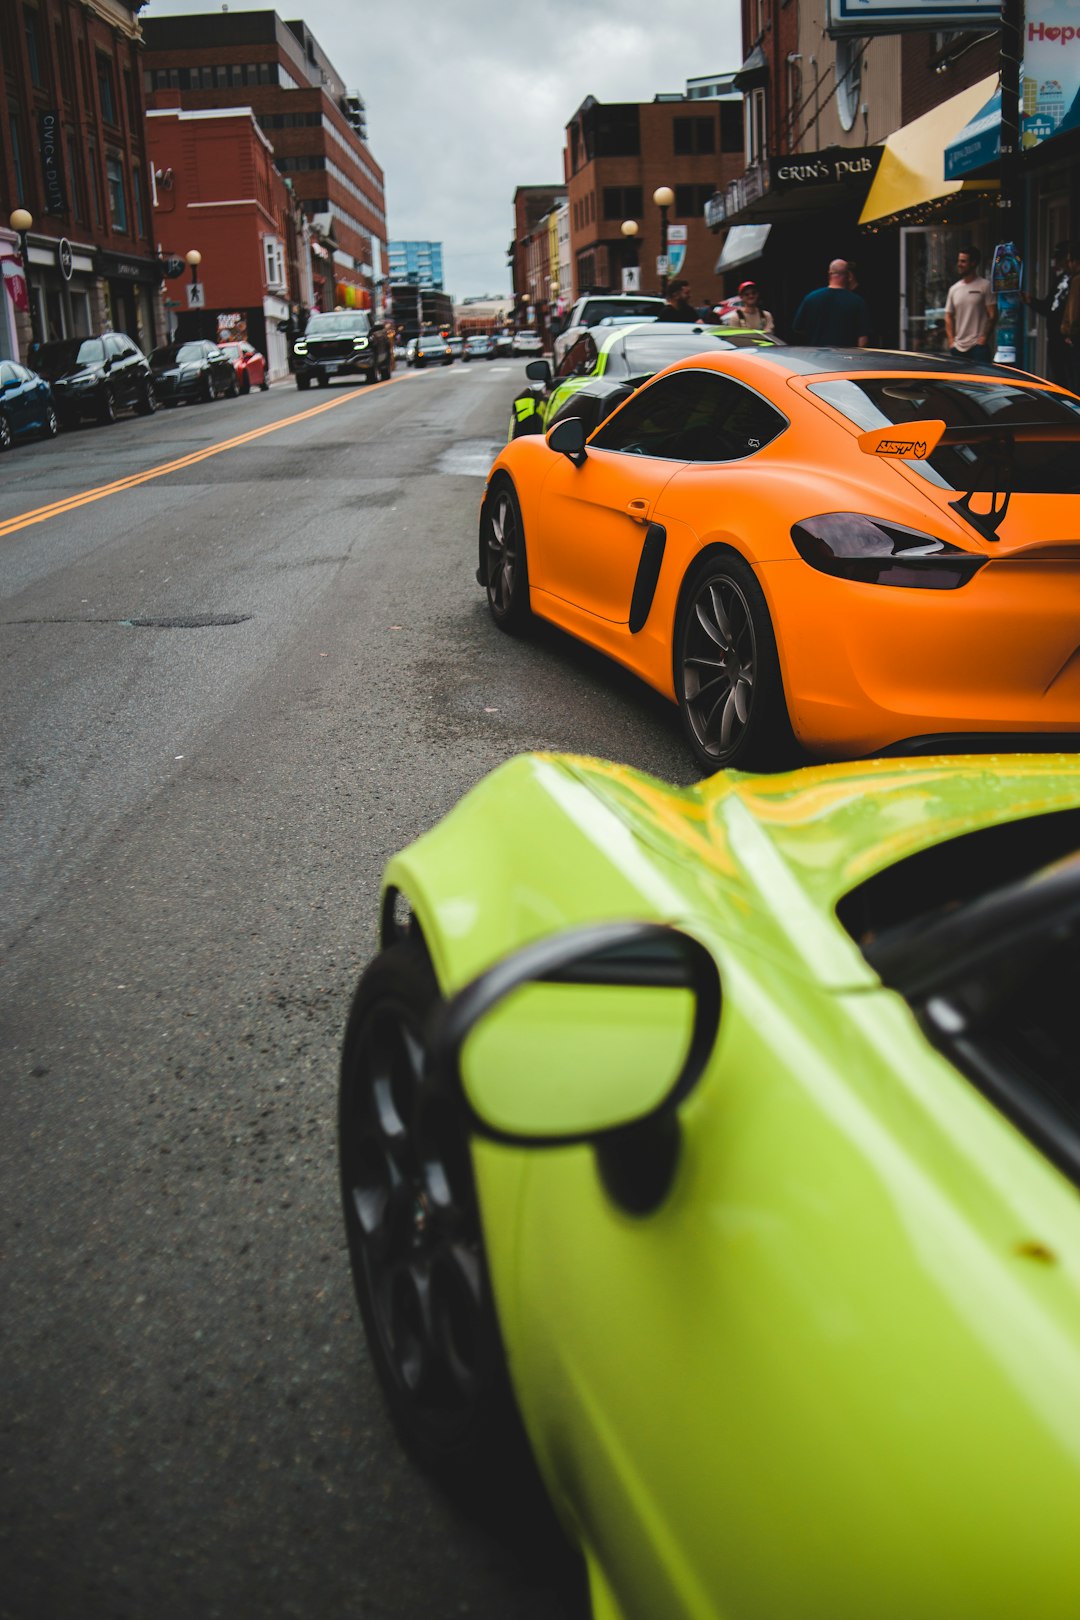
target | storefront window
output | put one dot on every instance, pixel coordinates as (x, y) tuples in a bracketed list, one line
[(927, 271)]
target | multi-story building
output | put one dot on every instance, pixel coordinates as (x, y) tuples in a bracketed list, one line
[(618, 154), (317, 128), (73, 156), (414, 308), (418, 262), (220, 193), (528, 247)]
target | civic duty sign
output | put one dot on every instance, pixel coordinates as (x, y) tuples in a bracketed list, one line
[(837, 165), (901, 16), (52, 163)]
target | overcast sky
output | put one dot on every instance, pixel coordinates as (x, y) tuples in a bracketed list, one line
[(466, 101)]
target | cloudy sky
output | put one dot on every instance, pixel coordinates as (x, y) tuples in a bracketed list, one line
[(467, 101)]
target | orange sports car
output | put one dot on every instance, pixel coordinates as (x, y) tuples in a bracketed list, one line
[(840, 552)]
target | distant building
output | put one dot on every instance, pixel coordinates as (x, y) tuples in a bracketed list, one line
[(207, 161), (528, 246), (73, 154), (413, 308), (617, 155), (418, 262), (317, 128)]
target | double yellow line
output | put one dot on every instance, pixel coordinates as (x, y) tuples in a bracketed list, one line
[(41, 514)]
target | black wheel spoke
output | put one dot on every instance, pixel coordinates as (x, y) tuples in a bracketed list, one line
[(718, 666)]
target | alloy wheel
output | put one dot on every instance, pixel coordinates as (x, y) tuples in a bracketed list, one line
[(719, 664), (411, 1207), (504, 538)]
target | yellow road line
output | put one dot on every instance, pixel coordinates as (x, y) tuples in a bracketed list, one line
[(41, 514)]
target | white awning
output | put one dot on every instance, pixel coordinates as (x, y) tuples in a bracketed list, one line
[(743, 244)]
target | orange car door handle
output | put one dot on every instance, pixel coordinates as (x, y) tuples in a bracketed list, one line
[(638, 510)]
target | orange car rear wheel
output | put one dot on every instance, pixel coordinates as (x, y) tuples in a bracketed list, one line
[(504, 563), (727, 673)]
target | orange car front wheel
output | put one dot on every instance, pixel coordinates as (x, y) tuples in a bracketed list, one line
[(727, 673)]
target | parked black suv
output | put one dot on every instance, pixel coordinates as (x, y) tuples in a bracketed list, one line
[(96, 376), (339, 344)]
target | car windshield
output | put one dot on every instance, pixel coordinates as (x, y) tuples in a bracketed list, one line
[(176, 354), (53, 358), (646, 353), (337, 325), (1038, 469), (432, 340), (600, 309), (231, 351)]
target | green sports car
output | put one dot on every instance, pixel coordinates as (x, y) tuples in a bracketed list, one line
[(606, 363), (729, 1137)]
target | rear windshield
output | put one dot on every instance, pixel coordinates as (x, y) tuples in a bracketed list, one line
[(328, 325), (599, 309), (56, 357), (646, 353), (177, 354), (1038, 469)]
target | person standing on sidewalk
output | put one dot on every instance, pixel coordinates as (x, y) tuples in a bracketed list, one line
[(833, 317), (749, 317), (1070, 320), (970, 311), (1052, 307)]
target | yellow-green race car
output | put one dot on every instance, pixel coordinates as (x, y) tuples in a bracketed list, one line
[(606, 363), (729, 1136)]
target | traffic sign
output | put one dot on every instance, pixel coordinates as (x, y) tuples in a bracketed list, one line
[(196, 295)]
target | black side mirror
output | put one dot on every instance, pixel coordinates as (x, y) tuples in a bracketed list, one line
[(539, 371), (567, 438)]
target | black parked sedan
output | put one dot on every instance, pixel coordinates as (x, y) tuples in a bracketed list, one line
[(193, 370), (96, 376)]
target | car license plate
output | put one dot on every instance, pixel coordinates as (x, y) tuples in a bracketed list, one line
[(332, 365)]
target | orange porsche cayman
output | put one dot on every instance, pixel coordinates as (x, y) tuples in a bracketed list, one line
[(840, 552)]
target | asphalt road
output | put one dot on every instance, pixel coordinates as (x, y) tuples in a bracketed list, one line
[(232, 685)]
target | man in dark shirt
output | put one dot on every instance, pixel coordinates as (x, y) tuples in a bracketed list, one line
[(833, 317), (678, 306), (1053, 307)]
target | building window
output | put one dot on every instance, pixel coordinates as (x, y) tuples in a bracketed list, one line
[(16, 159), (33, 49), (849, 54), (275, 262), (690, 201), (95, 183), (731, 126), (106, 89), (757, 145), (78, 193), (114, 170), (137, 197), (693, 135), (622, 202), (132, 101)]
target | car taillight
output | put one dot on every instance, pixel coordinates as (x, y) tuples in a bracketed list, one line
[(850, 545)]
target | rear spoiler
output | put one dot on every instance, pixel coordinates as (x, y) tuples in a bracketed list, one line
[(917, 441)]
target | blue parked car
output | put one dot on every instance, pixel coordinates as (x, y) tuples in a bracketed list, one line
[(26, 405)]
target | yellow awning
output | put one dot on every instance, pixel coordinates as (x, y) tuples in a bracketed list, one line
[(912, 168)]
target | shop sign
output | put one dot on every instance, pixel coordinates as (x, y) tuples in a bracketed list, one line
[(121, 269), (65, 258), (1050, 92), (173, 266), (232, 327), (849, 166), (865, 17), (52, 170)]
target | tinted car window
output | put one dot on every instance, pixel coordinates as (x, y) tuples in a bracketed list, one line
[(579, 358), (597, 308), (56, 357), (694, 416), (1040, 469), (643, 354)]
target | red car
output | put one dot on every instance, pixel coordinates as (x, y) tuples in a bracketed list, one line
[(249, 364)]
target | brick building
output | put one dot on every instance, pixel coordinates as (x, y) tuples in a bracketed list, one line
[(73, 154), (219, 192), (529, 249), (617, 155), (316, 127)]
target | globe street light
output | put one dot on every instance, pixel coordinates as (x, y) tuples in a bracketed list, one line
[(663, 197), (629, 228), (194, 258), (21, 219)]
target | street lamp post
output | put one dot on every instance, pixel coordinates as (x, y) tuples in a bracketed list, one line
[(629, 228), (663, 197), (194, 258), (21, 219)]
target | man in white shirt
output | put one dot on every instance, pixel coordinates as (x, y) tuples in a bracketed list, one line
[(970, 311)]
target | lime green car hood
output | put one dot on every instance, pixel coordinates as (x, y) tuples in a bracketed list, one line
[(550, 841)]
